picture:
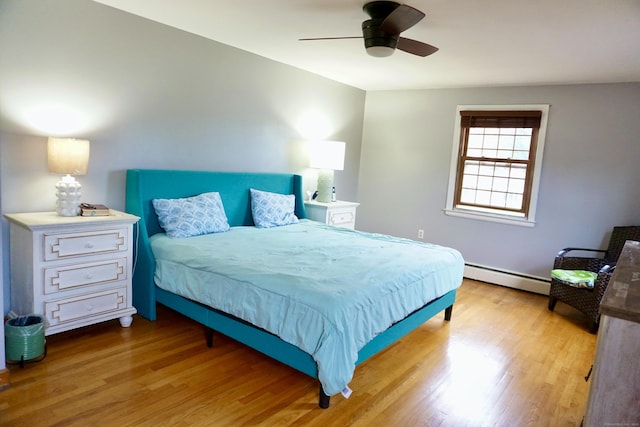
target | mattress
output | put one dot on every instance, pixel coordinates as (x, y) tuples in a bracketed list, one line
[(326, 290)]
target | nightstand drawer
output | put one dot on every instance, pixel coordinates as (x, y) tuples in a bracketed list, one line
[(338, 214), (70, 309), (342, 217), (62, 278), (62, 246)]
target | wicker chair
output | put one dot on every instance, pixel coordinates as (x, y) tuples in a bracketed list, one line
[(587, 300)]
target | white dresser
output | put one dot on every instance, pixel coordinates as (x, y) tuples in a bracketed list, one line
[(340, 213), (73, 271)]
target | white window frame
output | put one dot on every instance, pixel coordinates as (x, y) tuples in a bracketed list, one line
[(506, 218)]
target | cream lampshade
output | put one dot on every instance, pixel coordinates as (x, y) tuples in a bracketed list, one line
[(70, 157), (326, 156)]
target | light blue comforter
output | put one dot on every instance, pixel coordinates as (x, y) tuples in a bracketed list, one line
[(326, 290)]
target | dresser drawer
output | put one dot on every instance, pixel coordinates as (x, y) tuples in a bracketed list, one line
[(68, 245), (83, 306), (341, 218), (61, 278)]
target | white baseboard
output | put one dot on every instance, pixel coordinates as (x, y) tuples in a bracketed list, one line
[(506, 278)]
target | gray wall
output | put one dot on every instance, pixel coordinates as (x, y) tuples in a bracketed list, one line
[(150, 96), (590, 174)]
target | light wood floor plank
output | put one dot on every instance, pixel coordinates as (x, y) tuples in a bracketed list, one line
[(503, 360)]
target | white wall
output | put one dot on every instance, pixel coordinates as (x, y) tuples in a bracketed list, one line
[(590, 172), (149, 96)]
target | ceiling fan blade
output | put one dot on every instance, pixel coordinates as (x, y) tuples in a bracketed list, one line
[(329, 38), (415, 47), (401, 19)]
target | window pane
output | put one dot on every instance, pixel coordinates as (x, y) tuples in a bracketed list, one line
[(516, 186), (490, 141), (475, 141), (476, 131), (473, 152), (504, 154), (483, 197), (514, 201), (522, 143), (485, 182), (507, 131), (471, 167), (521, 155), (500, 184), (502, 170), (468, 196), (490, 153), (486, 168), (491, 131), (469, 181), (518, 171), (524, 131), (499, 200), (505, 142)]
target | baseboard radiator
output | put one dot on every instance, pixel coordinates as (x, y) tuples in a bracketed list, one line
[(510, 279)]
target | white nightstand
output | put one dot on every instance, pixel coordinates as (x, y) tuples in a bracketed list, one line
[(340, 213), (74, 271)]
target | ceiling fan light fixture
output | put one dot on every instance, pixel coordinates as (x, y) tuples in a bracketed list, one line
[(380, 51)]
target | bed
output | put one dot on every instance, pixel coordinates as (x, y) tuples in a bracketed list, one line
[(297, 291)]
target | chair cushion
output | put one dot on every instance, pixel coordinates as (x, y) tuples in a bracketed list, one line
[(575, 278)]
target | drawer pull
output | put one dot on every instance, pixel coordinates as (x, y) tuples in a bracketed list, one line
[(89, 307), (89, 245)]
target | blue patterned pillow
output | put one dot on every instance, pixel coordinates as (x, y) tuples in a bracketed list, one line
[(191, 216), (272, 209)]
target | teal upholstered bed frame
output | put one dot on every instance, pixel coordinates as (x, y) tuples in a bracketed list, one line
[(145, 185)]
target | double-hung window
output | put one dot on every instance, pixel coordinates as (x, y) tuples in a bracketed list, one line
[(496, 162)]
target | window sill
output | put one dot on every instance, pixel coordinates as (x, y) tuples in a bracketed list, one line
[(483, 216)]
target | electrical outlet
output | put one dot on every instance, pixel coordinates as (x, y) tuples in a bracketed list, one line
[(420, 234)]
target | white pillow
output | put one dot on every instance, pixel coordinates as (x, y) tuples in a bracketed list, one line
[(191, 216), (272, 209)]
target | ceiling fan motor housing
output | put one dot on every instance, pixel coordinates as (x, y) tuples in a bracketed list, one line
[(376, 41)]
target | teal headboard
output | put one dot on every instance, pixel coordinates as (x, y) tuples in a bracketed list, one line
[(144, 185)]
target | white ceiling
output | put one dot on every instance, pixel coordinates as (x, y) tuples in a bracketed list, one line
[(482, 42)]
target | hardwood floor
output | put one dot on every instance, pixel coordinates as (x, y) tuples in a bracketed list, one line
[(503, 360)]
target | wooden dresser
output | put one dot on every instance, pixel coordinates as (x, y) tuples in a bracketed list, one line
[(73, 271), (614, 395)]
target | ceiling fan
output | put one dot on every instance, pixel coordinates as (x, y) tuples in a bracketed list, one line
[(381, 33)]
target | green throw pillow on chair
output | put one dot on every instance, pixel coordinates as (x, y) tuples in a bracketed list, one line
[(575, 278)]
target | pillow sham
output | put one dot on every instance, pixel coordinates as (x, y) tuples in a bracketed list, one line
[(191, 216), (272, 209)]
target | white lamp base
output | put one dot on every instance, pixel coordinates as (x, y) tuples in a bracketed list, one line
[(325, 185), (68, 196)]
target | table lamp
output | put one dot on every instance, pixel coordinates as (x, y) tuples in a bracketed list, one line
[(70, 157), (327, 156)]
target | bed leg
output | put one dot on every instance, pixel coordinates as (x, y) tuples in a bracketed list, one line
[(447, 313), (323, 399), (209, 335)]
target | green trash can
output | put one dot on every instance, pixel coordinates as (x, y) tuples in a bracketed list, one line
[(24, 338)]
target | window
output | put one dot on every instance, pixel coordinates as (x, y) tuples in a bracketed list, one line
[(496, 159)]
